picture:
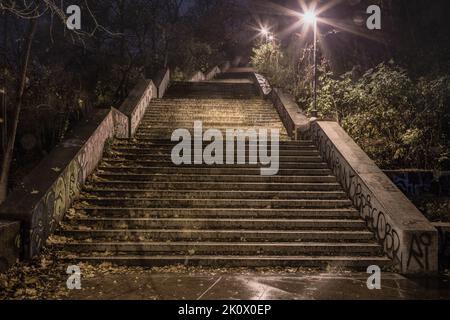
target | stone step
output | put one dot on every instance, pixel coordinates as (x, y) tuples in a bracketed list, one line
[(169, 146), (166, 140), (166, 143), (239, 108), (222, 109), (158, 134), (212, 102), (223, 129), (181, 100), (215, 203), (211, 114), (193, 149), (116, 212), (150, 129), (168, 158), (112, 162), (207, 84), (223, 125), (213, 194), (223, 90), (213, 224), (215, 178), (217, 112), (212, 95), (241, 235), (354, 262), (224, 248), (177, 119), (139, 185), (188, 116), (207, 88), (209, 171), (139, 135), (235, 111)]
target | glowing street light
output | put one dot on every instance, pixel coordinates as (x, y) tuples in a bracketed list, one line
[(310, 17), (265, 32)]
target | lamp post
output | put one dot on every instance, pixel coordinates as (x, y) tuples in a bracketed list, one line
[(311, 18)]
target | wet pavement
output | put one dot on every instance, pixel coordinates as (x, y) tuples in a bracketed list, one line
[(318, 286)]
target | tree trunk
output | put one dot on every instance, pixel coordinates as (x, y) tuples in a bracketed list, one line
[(7, 159)]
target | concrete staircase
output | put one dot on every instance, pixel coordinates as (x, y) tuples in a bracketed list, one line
[(141, 209)]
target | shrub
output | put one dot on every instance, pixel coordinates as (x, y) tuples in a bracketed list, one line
[(399, 121)]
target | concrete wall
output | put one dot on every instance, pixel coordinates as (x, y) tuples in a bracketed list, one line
[(45, 195), (407, 236), (50, 189), (135, 106), (210, 74), (297, 125), (121, 124), (197, 76), (161, 82), (262, 84)]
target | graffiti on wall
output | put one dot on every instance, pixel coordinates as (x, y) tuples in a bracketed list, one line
[(53, 205), (121, 124), (406, 252), (48, 209), (416, 183)]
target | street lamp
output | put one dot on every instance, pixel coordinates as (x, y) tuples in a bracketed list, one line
[(265, 32), (310, 17)]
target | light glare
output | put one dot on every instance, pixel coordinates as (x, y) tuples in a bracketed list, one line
[(264, 31), (310, 17)]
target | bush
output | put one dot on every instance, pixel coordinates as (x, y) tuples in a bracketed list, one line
[(400, 122)]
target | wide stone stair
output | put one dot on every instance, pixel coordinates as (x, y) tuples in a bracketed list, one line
[(141, 209)]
